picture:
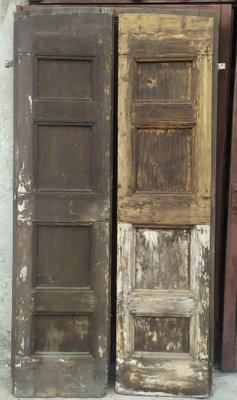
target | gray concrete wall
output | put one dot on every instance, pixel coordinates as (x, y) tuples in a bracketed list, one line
[(7, 9)]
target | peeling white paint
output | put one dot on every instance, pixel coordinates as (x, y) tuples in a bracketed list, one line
[(101, 352), (21, 188), (107, 90), (30, 101), (7, 11), (24, 181), (21, 207), (120, 360), (23, 273)]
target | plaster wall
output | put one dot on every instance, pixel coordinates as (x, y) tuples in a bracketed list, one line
[(7, 9)]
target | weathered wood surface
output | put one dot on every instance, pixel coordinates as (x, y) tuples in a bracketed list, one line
[(63, 125), (167, 302), (225, 46), (165, 172), (131, 2), (229, 353)]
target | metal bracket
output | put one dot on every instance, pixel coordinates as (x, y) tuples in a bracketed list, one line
[(9, 63)]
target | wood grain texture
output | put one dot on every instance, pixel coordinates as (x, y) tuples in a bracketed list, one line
[(141, 375), (164, 202), (163, 114), (63, 256), (134, 2), (178, 303), (63, 125), (162, 334), (164, 81), (190, 304), (61, 333), (170, 209), (162, 259), (63, 300), (164, 160), (65, 157), (74, 76), (169, 39)]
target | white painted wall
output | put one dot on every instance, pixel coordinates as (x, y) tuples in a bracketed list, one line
[(7, 9)]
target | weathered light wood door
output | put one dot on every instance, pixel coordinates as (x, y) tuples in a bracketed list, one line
[(63, 63), (166, 122)]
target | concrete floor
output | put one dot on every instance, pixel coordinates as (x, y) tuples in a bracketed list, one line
[(224, 388)]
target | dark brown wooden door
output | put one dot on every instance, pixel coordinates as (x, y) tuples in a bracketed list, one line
[(166, 157), (63, 62), (229, 345)]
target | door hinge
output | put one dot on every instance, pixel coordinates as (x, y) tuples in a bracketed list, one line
[(221, 66), (9, 63)]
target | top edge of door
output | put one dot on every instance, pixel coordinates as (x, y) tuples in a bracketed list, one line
[(178, 11), (62, 10)]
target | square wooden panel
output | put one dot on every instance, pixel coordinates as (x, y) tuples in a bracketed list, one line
[(61, 333), (155, 334), (62, 256), (164, 160), (64, 78), (164, 81), (64, 157), (162, 258)]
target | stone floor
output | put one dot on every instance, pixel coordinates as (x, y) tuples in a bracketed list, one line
[(224, 388)]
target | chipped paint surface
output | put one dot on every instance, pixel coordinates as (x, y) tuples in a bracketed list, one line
[(107, 90), (101, 352), (7, 10), (30, 102), (145, 338), (24, 182), (23, 273)]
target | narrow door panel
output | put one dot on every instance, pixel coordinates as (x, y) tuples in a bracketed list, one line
[(229, 339), (62, 216), (166, 126)]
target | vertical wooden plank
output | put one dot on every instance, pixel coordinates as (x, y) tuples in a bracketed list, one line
[(125, 256), (230, 293), (225, 42)]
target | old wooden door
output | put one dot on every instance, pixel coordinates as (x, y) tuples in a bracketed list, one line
[(229, 339), (63, 62), (166, 123)]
